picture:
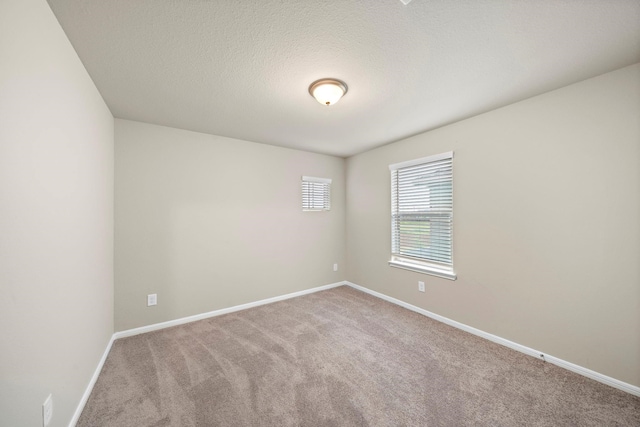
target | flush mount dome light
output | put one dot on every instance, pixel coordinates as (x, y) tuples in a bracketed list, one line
[(327, 91)]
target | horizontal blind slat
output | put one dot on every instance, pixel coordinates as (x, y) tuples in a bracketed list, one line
[(316, 193), (422, 211)]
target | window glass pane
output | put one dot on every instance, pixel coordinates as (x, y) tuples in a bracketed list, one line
[(422, 211), (316, 194)]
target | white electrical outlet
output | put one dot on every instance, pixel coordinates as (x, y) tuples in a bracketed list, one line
[(152, 299), (47, 411), (421, 286), (335, 267)]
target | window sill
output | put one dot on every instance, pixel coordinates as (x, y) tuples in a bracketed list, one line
[(419, 267)]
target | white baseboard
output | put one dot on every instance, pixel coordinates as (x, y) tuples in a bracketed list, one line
[(92, 382), (189, 319), (620, 385)]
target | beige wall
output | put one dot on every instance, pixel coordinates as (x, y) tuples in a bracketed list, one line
[(547, 236), (56, 219), (208, 222), (546, 223)]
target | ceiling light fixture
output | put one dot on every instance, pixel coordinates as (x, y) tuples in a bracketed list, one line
[(328, 91)]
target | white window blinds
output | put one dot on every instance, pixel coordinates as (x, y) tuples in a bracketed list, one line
[(422, 215), (316, 194)]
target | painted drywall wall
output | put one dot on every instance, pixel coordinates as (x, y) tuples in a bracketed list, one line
[(208, 222), (546, 223), (56, 219)]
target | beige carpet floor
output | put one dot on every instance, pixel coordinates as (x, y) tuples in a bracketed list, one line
[(339, 358)]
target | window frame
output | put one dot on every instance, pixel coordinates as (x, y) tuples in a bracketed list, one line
[(309, 186), (419, 264)]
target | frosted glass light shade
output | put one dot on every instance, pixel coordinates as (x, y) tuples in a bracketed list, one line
[(327, 91)]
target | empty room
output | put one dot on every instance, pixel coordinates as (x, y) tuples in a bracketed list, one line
[(319, 213)]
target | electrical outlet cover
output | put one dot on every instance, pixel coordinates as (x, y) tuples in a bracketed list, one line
[(152, 299), (421, 286)]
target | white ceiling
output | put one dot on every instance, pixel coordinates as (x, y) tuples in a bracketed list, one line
[(242, 68)]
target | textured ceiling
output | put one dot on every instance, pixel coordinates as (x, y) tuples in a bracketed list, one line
[(242, 68)]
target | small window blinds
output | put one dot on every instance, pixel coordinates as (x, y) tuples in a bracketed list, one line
[(422, 215), (316, 194)]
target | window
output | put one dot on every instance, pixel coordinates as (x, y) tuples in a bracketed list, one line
[(316, 194), (422, 215)]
